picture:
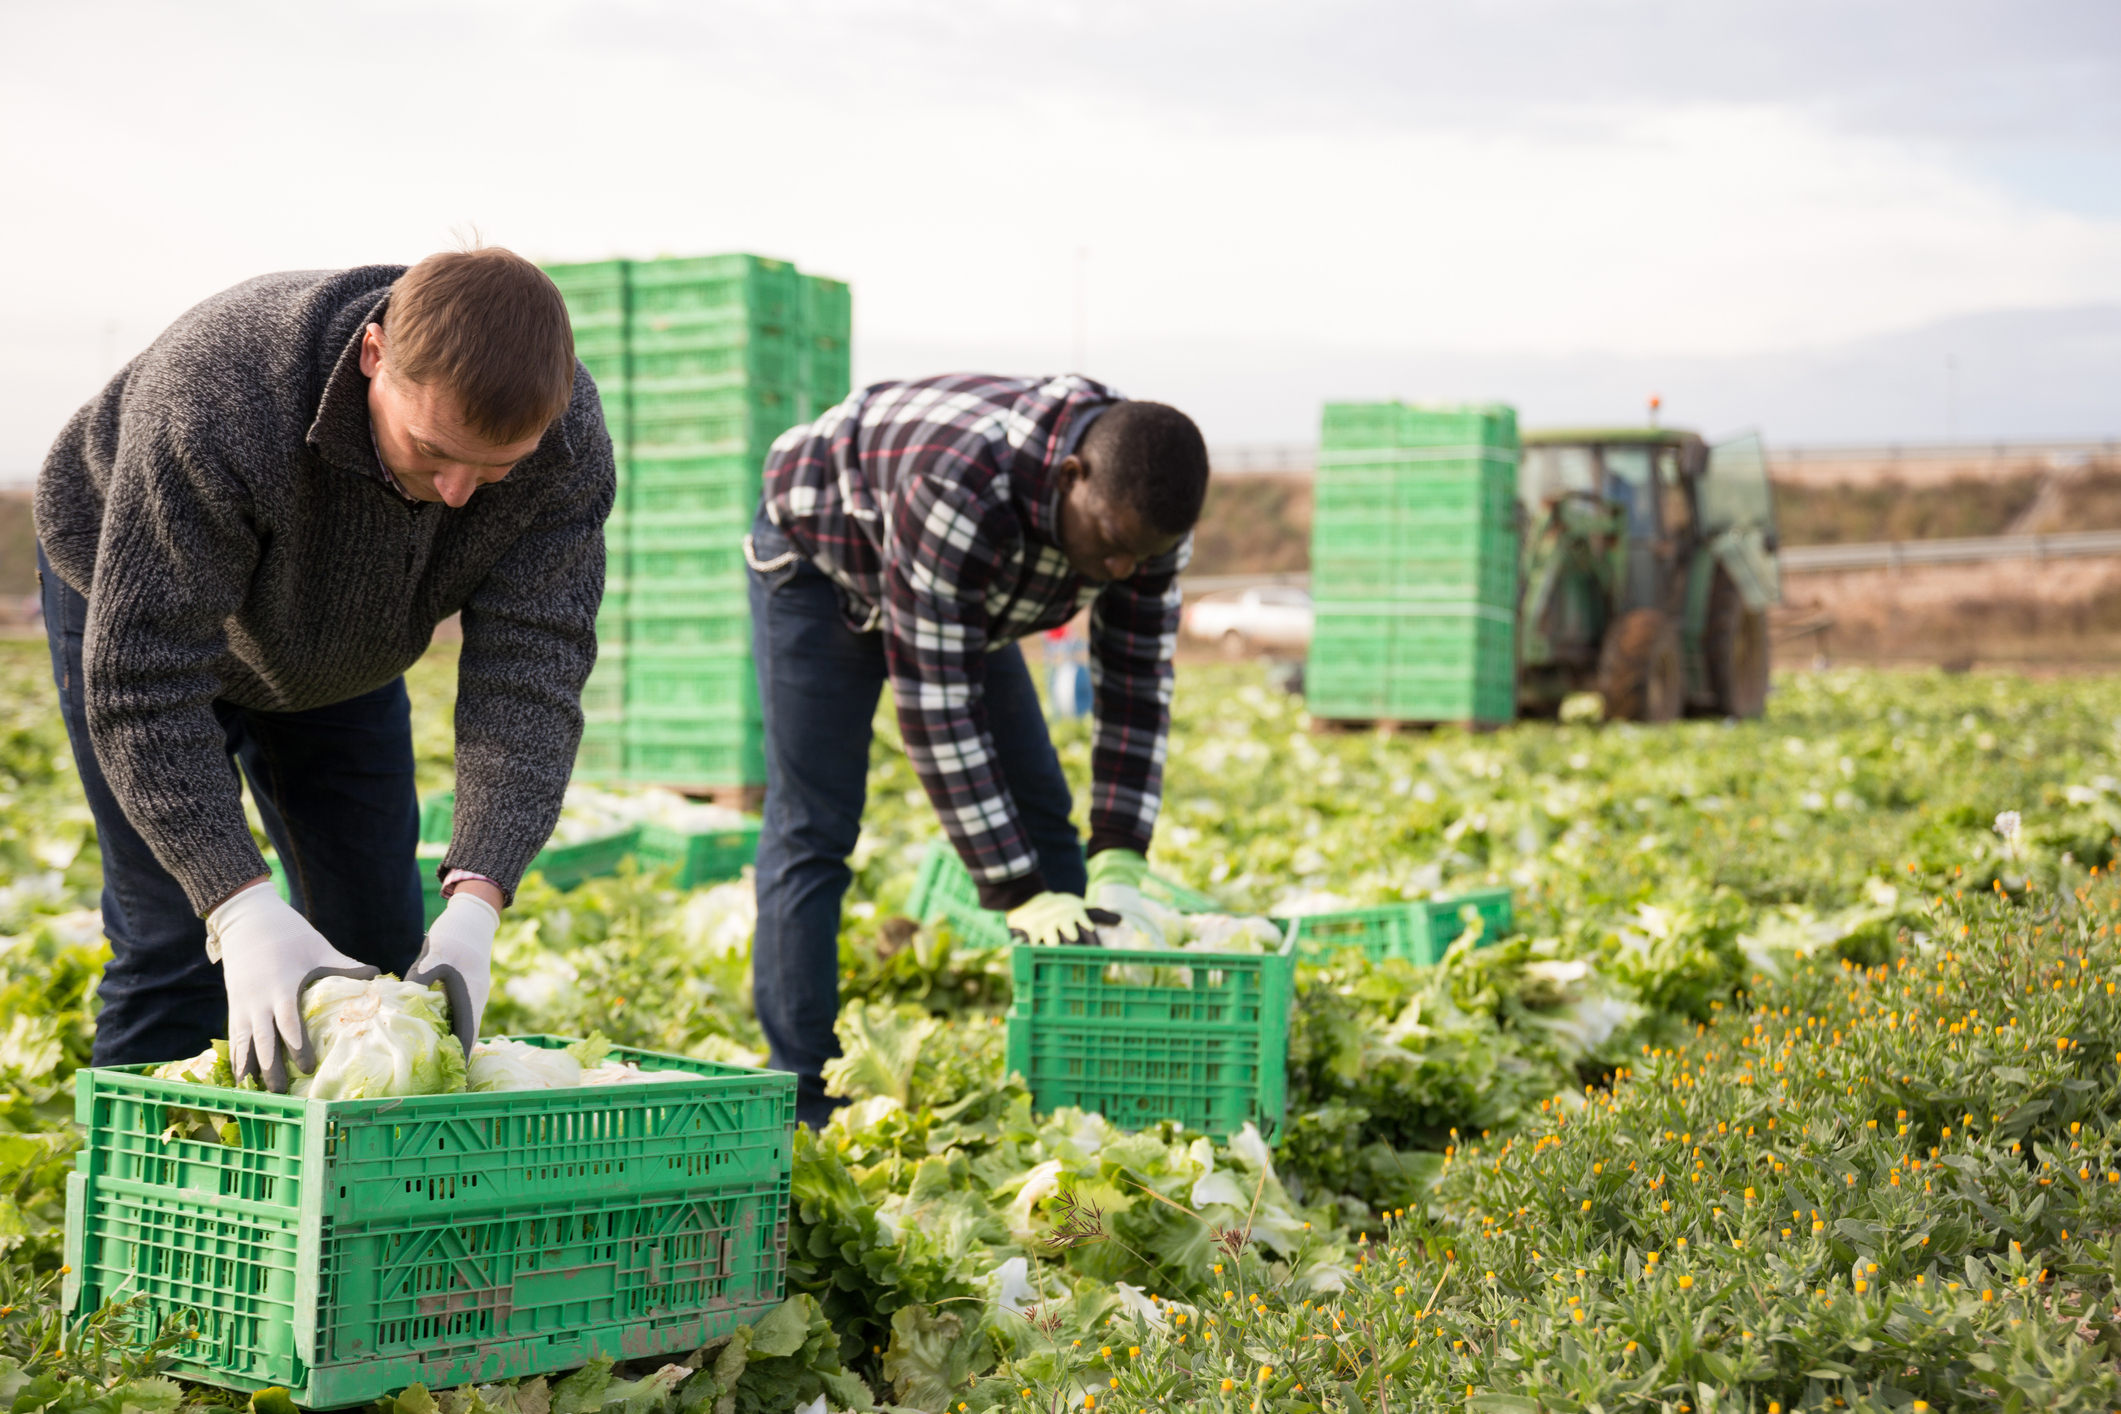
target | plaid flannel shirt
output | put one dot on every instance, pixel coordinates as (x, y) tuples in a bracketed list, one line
[(934, 506)]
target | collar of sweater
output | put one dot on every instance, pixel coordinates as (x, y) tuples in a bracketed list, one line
[(342, 435)]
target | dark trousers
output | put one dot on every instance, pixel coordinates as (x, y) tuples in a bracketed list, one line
[(334, 787), (818, 686)]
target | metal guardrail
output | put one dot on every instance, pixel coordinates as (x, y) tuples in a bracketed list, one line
[(1301, 458), (1892, 554), (1815, 559)]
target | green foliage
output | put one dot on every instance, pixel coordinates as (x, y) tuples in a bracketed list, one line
[(1850, 1189), (954, 1247)]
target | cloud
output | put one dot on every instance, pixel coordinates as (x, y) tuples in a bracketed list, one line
[(1524, 177)]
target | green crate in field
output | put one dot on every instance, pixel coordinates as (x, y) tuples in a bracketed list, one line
[(1414, 425), (686, 686), (602, 754), (714, 626), (685, 754), (344, 1249), (1416, 932), (702, 856), (604, 694), (766, 291), (1201, 1039), (563, 865), (944, 892), (663, 496)]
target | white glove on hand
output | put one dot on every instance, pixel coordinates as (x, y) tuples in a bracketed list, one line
[(459, 955), (1133, 910), (268, 954)]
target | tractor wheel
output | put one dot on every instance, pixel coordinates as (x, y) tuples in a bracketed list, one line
[(1640, 672), (1734, 642)]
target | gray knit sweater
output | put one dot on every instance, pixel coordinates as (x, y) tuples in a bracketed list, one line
[(221, 508)]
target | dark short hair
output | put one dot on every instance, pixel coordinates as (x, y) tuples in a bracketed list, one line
[(1151, 456), (491, 327)]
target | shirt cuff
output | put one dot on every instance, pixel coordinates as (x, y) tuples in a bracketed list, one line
[(459, 876), (1005, 894)]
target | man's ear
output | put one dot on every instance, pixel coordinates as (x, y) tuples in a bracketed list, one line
[(371, 350), (1072, 472)]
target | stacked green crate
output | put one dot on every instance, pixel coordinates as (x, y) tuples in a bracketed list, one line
[(720, 355), (597, 303), (1414, 564)]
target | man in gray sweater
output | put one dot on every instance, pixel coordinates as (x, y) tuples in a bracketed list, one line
[(244, 540)]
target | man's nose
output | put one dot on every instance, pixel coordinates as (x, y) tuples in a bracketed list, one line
[(456, 485), (1121, 566)]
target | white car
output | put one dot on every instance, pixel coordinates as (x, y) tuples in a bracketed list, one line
[(1273, 617)]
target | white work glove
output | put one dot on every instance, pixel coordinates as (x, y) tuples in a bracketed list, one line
[(268, 954), (459, 954)]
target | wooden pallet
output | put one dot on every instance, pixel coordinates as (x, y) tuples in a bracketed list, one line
[(745, 798), (1391, 726)]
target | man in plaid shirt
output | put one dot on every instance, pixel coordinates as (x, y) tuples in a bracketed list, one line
[(915, 533)]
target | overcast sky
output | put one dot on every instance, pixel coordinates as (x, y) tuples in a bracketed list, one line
[(1565, 183)]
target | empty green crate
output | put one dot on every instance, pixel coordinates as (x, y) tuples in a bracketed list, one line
[(702, 856), (344, 1249), (1417, 932), (604, 694), (563, 865), (944, 892), (712, 362), (717, 686), (602, 754), (691, 632), (747, 432), (1393, 424), (1198, 1039), (666, 290), (696, 753), (667, 496), (827, 308)]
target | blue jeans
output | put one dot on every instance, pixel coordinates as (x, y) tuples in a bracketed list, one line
[(334, 787), (819, 682)]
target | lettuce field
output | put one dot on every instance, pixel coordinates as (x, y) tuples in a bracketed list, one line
[(1795, 1087)]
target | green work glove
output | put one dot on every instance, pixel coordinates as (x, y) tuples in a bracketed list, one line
[(1116, 887), (1116, 866), (1053, 920)]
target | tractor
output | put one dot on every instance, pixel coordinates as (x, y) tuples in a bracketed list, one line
[(1647, 567)]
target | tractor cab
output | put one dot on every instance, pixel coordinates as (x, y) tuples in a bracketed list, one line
[(1647, 567)]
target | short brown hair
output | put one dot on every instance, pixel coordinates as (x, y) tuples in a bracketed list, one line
[(492, 328)]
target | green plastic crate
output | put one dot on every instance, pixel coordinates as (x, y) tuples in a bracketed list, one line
[(764, 289), (602, 754), (707, 493), (1141, 1037), (1417, 932), (1414, 425), (344, 1249), (687, 754), (563, 865), (692, 687), (702, 856), (943, 891), (700, 624)]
